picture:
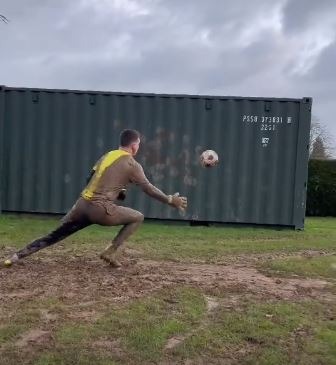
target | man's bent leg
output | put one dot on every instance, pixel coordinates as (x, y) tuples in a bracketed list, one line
[(126, 231), (64, 230), (131, 220)]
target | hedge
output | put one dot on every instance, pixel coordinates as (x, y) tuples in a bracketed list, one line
[(321, 190)]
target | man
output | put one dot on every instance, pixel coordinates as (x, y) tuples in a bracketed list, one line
[(96, 205)]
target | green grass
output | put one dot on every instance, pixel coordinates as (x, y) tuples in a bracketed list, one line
[(323, 266), (10, 332), (324, 347), (254, 331), (15, 326), (74, 357), (140, 328), (169, 242), (73, 334), (272, 333), (143, 327)]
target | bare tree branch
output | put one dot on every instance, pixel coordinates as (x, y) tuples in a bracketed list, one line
[(4, 19), (321, 142), (319, 150)]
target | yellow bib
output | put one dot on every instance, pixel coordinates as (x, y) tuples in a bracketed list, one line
[(107, 161)]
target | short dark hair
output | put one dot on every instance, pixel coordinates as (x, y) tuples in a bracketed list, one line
[(128, 136)]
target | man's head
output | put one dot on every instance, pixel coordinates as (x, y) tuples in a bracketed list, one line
[(130, 140)]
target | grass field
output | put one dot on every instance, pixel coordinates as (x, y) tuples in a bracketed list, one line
[(185, 295)]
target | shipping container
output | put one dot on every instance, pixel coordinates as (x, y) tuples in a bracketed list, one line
[(51, 138)]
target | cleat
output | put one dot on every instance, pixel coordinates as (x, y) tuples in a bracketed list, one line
[(111, 261), (8, 263), (11, 261), (109, 255)]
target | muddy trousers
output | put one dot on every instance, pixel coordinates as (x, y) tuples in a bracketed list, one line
[(61, 232), (82, 215)]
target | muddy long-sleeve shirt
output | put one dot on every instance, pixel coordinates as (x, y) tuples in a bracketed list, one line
[(113, 173)]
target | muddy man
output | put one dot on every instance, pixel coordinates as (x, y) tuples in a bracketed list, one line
[(107, 183)]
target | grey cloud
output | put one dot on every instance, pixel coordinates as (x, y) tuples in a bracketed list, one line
[(191, 46), (298, 15)]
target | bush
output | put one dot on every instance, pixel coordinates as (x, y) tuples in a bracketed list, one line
[(321, 192)]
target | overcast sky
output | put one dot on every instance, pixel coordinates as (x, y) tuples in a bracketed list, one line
[(280, 48)]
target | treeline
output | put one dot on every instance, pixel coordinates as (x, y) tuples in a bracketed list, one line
[(321, 190)]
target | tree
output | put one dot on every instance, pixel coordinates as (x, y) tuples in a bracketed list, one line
[(321, 143), (4, 19), (319, 150), (321, 191)]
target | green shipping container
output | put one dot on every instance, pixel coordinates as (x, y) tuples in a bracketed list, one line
[(51, 138)]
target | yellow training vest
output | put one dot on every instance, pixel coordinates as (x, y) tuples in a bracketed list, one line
[(107, 161)]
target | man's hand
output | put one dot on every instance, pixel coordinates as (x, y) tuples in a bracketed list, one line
[(177, 201)]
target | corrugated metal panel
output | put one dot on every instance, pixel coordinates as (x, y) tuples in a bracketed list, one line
[(54, 136), (2, 119)]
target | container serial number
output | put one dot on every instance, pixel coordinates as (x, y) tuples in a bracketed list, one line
[(267, 127), (262, 119)]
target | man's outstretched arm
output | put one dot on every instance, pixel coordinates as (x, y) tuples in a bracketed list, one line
[(139, 178)]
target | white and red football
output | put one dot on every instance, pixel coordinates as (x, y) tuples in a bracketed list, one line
[(209, 158)]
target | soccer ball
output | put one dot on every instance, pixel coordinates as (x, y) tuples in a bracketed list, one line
[(209, 158)]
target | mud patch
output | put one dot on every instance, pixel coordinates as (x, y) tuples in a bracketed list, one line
[(75, 281), (84, 316), (173, 342), (35, 336), (112, 346), (48, 316), (212, 303), (243, 277)]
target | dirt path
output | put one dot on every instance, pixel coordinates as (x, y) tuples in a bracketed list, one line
[(86, 279)]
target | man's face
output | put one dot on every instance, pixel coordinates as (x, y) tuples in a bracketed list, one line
[(135, 147)]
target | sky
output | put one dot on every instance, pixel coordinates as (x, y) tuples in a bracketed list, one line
[(279, 48)]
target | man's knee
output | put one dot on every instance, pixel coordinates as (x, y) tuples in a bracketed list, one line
[(139, 217)]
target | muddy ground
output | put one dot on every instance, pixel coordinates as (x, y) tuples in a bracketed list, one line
[(82, 279), (85, 285)]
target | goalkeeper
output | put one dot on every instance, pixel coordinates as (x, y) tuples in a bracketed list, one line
[(96, 205)]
